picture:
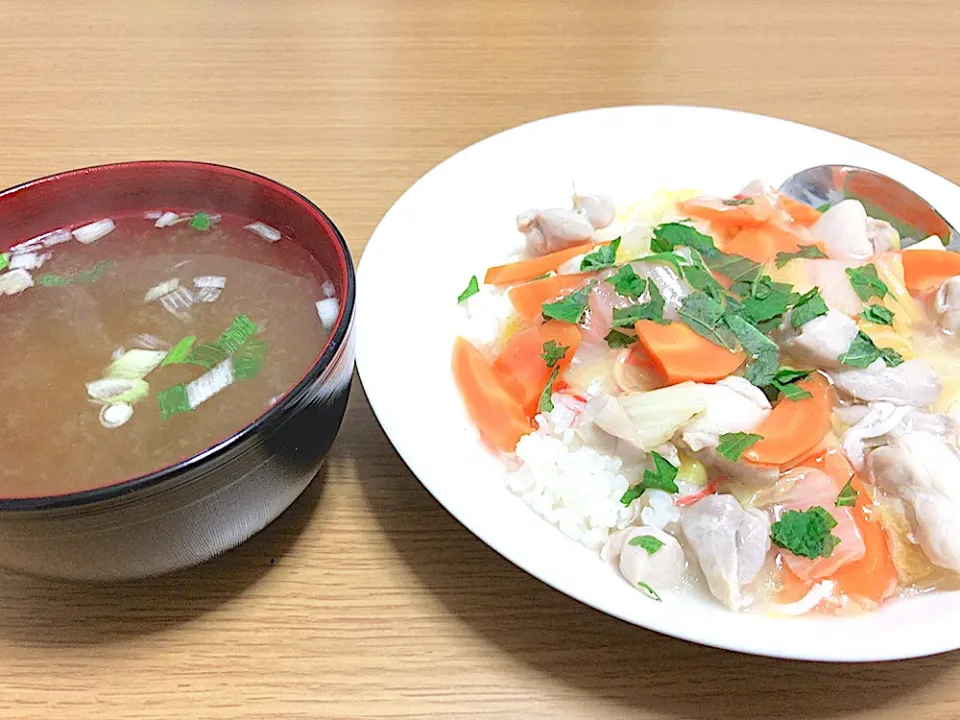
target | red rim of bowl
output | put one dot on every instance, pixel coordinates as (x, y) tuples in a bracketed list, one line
[(335, 341)]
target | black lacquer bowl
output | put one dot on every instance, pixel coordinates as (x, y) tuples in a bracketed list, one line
[(189, 512)]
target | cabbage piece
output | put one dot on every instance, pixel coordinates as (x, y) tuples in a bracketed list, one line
[(656, 416)]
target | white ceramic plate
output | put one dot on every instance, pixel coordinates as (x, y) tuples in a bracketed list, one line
[(459, 219)]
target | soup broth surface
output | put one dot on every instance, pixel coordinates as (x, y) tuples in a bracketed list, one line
[(88, 306)]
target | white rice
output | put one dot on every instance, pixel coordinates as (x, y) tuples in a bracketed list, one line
[(575, 488)]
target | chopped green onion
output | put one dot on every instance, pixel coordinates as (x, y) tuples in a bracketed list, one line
[(173, 400), (180, 353), (208, 355), (236, 335), (135, 364), (248, 360), (200, 221)]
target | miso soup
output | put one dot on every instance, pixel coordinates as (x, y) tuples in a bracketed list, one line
[(134, 343)]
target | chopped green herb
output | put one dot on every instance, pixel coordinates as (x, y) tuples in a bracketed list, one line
[(85, 277), (823, 208), (861, 353), (546, 397), (248, 360), (569, 309), (734, 202), (473, 287), (866, 283), (847, 496), (173, 400), (553, 353), (647, 542), (734, 267), (790, 375), (809, 306), (767, 300), (4, 261), (764, 352), (200, 221), (704, 316), (785, 382), (651, 593), (806, 533), (732, 445), (877, 314), (547, 274), (616, 339), (603, 257), (806, 252), (627, 283), (667, 257), (670, 235), (703, 280), (791, 391), (891, 357), (180, 352), (650, 310), (662, 477)]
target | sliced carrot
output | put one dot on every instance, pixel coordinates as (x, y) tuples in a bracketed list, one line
[(679, 354), (925, 270), (497, 414), (751, 214), (874, 576), (800, 212), (753, 243), (792, 588), (534, 267), (528, 298), (762, 244), (522, 364), (794, 427)]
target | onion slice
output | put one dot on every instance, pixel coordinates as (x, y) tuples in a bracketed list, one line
[(15, 282), (94, 231), (327, 311), (265, 231), (116, 414)]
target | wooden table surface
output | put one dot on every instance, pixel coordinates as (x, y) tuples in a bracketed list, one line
[(366, 600)]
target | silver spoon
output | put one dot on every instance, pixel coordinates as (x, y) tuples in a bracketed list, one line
[(883, 197)]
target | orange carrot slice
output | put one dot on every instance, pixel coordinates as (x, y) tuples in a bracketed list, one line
[(679, 354), (794, 427), (497, 414), (792, 588), (534, 267), (801, 213), (754, 243), (762, 244), (874, 576), (522, 365), (528, 298), (749, 212), (925, 270)]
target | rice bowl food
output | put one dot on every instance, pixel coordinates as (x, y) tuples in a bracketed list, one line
[(744, 393)]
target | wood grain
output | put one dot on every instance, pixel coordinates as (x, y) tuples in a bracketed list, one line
[(366, 600)]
